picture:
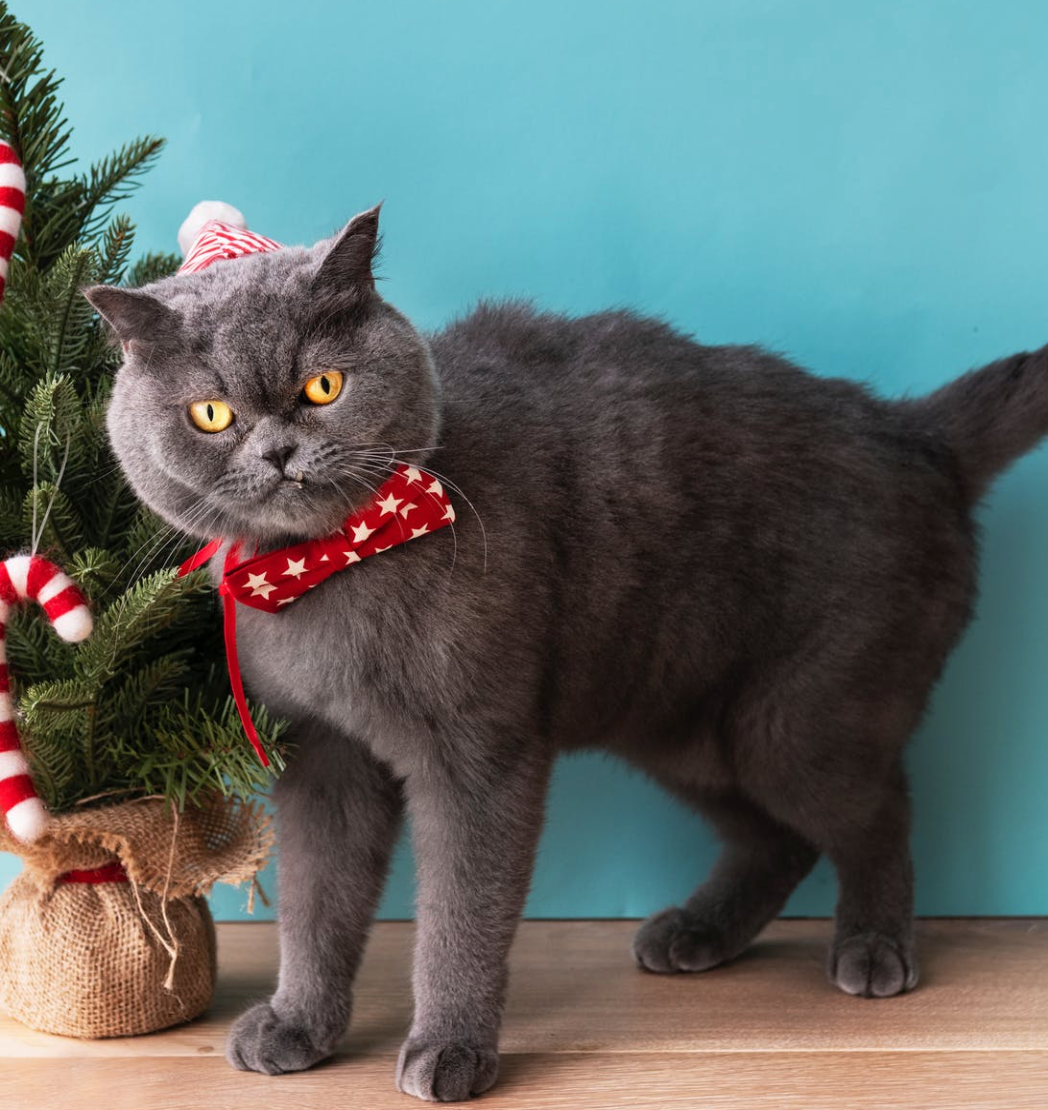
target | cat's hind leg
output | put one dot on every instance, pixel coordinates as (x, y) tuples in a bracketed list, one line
[(338, 811), (873, 952), (843, 789), (761, 863)]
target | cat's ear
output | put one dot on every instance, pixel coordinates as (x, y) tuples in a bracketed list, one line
[(347, 264), (133, 314)]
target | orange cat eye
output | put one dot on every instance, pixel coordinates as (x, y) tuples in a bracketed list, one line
[(324, 388), (211, 416)]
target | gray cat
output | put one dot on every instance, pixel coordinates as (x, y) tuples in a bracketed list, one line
[(742, 578)]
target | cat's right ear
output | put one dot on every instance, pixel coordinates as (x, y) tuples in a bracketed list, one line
[(133, 314), (347, 266)]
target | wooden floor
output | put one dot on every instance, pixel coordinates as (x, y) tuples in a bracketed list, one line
[(584, 1028)]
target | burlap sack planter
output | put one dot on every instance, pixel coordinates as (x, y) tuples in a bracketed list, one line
[(117, 957)]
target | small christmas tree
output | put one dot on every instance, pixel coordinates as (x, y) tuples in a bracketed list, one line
[(142, 707)]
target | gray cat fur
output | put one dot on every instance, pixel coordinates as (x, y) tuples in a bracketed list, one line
[(742, 578)]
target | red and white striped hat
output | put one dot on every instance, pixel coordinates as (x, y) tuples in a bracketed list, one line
[(215, 232)]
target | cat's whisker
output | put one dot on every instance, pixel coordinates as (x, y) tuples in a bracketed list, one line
[(387, 468), (391, 451), (148, 546), (101, 475), (146, 554), (355, 475), (169, 536), (127, 581), (451, 524), (445, 481)]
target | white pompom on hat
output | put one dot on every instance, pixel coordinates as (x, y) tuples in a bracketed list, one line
[(206, 212)]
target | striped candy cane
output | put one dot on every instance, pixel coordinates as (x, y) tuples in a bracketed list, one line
[(31, 578), (26, 577), (12, 206)]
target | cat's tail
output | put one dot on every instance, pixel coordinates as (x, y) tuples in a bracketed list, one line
[(992, 416)]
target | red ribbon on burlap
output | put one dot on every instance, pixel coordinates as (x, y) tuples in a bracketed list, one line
[(110, 873)]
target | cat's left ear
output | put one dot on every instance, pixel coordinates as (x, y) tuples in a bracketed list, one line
[(133, 314), (349, 260)]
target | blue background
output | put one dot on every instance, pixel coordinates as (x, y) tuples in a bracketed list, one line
[(860, 186)]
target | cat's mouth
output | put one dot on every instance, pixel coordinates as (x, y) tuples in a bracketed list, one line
[(300, 503), (297, 503)]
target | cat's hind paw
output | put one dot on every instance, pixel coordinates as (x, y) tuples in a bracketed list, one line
[(261, 1040), (445, 1071), (674, 941), (872, 965)]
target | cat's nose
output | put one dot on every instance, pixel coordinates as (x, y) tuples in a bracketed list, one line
[(279, 454)]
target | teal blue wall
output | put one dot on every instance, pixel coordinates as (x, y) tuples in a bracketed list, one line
[(860, 185)]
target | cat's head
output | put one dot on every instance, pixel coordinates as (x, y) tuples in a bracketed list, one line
[(265, 397)]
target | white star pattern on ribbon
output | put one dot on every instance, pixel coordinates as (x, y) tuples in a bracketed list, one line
[(272, 580), (258, 585)]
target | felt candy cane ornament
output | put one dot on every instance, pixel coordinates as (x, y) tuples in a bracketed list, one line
[(30, 578), (26, 577), (12, 205)]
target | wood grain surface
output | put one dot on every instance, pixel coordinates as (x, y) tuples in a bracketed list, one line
[(585, 1028)]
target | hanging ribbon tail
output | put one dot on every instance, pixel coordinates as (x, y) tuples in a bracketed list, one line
[(229, 616), (194, 562), (229, 619)]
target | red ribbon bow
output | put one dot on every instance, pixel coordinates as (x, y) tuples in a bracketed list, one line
[(411, 503)]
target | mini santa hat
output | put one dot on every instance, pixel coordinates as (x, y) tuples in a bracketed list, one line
[(215, 231)]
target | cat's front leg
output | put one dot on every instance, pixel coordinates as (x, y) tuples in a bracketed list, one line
[(338, 812), (475, 829)]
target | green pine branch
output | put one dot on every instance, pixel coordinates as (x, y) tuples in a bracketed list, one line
[(39, 653), (71, 322), (52, 424), (113, 180), (201, 748), (142, 706), (117, 241), (31, 115), (32, 119), (153, 267), (10, 515), (146, 610)]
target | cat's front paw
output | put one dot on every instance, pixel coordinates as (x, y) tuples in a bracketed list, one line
[(873, 965), (261, 1040), (445, 1071), (674, 941)]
